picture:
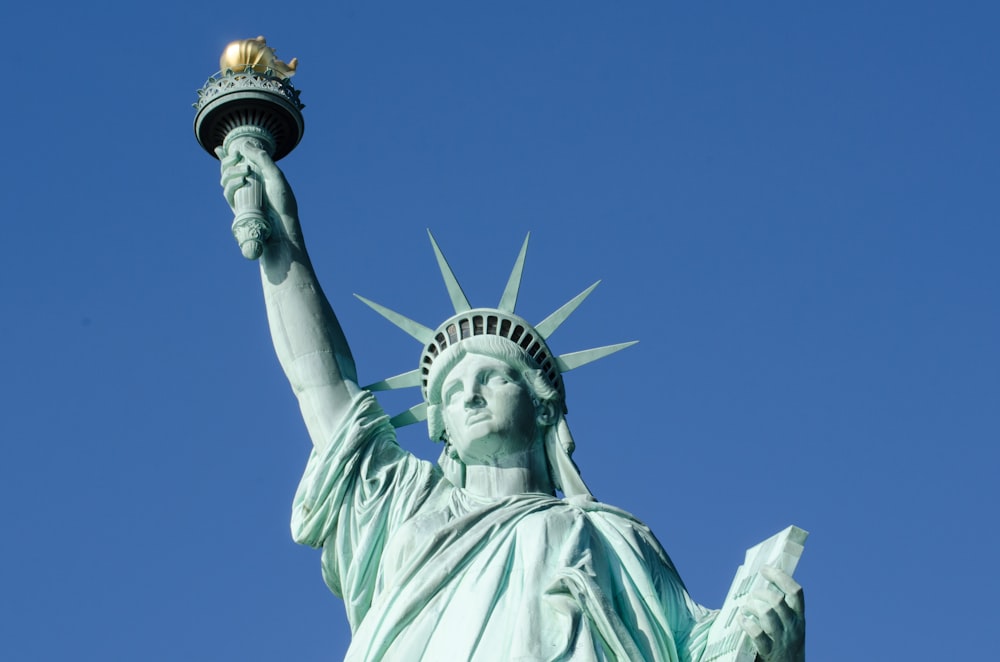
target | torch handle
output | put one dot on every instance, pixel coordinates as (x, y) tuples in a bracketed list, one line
[(251, 226)]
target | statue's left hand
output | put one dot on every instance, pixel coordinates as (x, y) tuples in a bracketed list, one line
[(774, 617)]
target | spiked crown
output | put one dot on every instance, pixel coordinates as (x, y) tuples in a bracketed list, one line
[(502, 322)]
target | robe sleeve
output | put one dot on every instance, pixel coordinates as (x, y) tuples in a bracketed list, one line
[(354, 494)]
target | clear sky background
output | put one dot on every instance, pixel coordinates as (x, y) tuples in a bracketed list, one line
[(793, 205)]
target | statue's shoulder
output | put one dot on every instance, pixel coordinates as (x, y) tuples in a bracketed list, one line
[(606, 511), (617, 521)]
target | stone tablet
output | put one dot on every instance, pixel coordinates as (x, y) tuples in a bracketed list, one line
[(727, 642)]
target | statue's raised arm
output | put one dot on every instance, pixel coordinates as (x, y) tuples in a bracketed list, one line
[(307, 337)]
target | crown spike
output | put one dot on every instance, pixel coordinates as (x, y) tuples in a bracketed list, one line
[(414, 414), (548, 326), (415, 329), (458, 299), (405, 380), (568, 362), (509, 298)]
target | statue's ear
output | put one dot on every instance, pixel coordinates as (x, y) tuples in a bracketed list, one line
[(545, 413), (435, 424)]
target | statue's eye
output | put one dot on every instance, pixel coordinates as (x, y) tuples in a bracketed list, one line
[(452, 393), (497, 379)]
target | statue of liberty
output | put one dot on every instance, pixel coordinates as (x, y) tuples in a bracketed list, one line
[(474, 557)]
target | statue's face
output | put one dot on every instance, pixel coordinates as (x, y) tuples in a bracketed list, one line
[(488, 410)]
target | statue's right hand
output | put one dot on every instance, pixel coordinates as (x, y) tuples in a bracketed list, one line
[(247, 160), (234, 173)]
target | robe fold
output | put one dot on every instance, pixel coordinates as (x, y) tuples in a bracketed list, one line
[(428, 571)]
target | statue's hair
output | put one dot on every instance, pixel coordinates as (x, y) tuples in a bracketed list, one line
[(494, 347)]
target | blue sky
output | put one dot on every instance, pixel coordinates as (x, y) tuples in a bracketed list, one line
[(791, 205)]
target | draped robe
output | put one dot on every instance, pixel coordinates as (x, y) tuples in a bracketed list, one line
[(429, 571)]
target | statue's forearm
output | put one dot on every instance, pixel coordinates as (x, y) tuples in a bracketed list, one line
[(308, 340)]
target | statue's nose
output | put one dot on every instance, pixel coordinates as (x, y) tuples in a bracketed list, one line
[(474, 400)]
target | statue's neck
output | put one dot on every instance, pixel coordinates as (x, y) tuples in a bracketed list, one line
[(518, 473)]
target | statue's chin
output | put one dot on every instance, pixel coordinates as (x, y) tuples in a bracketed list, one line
[(492, 449)]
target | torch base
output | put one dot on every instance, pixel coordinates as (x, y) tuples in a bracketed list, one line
[(249, 99)]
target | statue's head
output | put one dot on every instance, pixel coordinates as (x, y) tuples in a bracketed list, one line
[(500, 355), (486, 397)]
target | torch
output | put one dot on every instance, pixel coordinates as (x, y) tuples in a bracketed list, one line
[(250, 101)]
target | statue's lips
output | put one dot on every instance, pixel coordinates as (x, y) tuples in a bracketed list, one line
[(477, 417)]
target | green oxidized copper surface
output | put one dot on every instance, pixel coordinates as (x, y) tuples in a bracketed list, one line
[(497, 551)]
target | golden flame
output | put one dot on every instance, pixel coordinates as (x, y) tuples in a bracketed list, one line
[(257, 54)]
